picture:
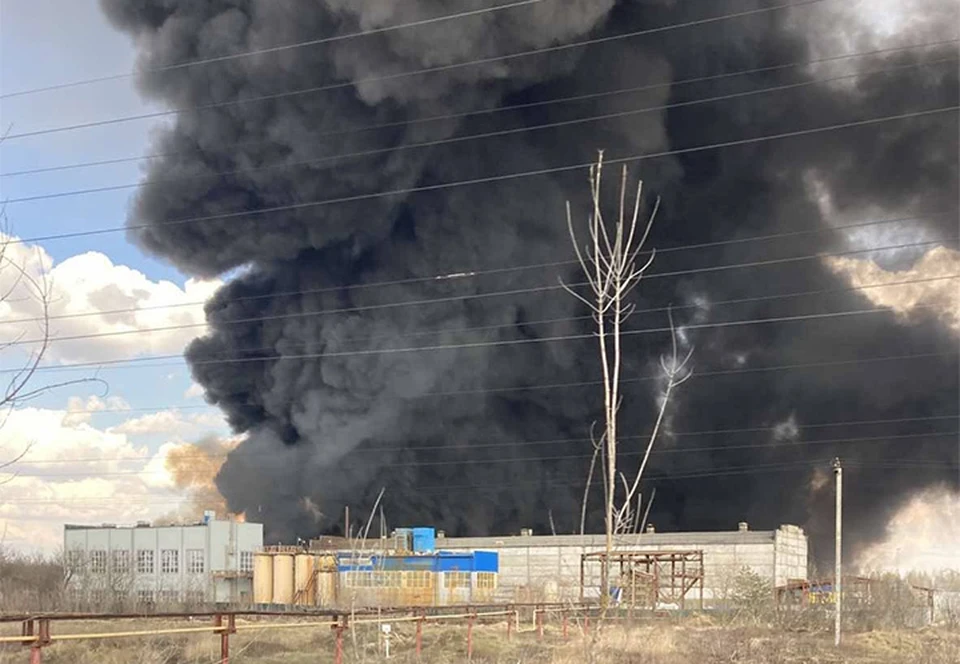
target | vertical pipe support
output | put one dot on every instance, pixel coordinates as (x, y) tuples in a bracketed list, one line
[(470, 621), (420, 636), (510, 619), (338, 629), (539, 614), (42, 635), (566, 634)]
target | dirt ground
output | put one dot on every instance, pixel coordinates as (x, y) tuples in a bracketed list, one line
[(691, 641)]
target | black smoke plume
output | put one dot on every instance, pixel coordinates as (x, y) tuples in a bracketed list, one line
[(456, 436)]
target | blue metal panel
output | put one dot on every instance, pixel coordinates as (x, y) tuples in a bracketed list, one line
[(486, 561), (424, 540), (454, 562)]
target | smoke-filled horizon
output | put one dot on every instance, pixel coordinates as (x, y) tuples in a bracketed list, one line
[(332, 429)]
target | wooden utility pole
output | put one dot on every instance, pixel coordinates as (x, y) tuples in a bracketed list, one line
[(838, 554)]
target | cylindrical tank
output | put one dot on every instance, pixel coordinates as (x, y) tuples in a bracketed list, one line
[(303, 572), (262, 578), (283, 578)]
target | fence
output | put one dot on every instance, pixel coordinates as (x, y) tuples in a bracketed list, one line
[(37, 632)]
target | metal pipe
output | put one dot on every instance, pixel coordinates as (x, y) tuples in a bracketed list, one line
[(470, 638)]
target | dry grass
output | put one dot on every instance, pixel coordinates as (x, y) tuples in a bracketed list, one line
[(698, 641)]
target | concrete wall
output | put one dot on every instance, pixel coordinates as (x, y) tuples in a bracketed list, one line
[(158, 562), (547, 568)]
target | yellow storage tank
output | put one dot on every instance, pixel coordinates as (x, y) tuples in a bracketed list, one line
[(262, 578), (283, 578), (304, 576)]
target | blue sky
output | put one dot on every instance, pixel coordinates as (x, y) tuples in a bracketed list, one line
[(47, 42)]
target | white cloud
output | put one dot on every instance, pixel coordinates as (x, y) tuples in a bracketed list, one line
[(123, 300), (940, 297), (171, 422), (195, 391), (80, 411), (73, 472)]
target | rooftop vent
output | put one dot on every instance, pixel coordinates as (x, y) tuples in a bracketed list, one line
[(743, 527), (441, 534), (526, 532), (651, 529), (143, 524)]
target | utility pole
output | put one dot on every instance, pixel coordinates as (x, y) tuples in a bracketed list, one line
[(838, 553)]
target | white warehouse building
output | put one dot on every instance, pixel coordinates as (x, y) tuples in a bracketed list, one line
[(203, 563)]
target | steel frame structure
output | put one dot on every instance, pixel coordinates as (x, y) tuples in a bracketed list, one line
[(671, 575)]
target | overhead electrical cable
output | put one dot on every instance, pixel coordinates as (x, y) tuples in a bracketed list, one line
[(485, 180), (275, 49), (342, 85), (487, 461), (466, 297), (500, 109), (515, 443), (472, 137), (466, 273)]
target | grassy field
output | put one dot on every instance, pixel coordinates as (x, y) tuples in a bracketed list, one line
[(696, 640)]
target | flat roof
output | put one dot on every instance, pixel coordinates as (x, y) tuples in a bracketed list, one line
[(142, 526), (674, 539)]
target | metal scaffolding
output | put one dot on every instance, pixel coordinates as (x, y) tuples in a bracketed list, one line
[(650, 579)]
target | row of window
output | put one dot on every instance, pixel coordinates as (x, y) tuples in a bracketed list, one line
[(145, 563), (416, 579)]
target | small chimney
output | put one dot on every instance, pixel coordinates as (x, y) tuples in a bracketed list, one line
[(526, 532), (441, 534), (650, 528), (743, 527)]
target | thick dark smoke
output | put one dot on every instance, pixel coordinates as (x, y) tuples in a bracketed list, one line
[(331, 429)]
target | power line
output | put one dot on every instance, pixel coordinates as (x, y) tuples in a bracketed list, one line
[(274, 49), (479, 136), (456, 298), (506, 107), (537, 459), (471, 272), (522, 443), (128, 362), (527, 324), (713, 471), (486, 180), (408, 74)]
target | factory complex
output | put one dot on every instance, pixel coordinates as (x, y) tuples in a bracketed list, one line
[(225, 562)]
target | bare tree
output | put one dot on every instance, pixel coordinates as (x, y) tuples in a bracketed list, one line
[(609, 261)]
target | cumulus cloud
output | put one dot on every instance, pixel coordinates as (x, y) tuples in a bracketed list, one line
[(195, 391), (72, 471), (171, 422), (122, 301), (940, 297)]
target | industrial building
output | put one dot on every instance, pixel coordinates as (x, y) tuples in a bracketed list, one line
[(405, 570), (681, 569), (207, 562)]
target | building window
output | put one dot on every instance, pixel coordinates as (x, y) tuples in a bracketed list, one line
[(194, 597), (169, 596), (145, 597), (486, 580), (195, 561), (169, 561), (121, 561), (75, 560), (97, 597), (456, 580), (98, 562), (418, 579), (144, 561), (246, 561)]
